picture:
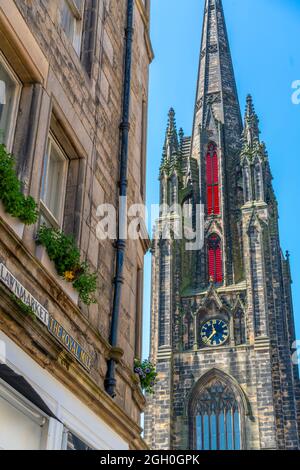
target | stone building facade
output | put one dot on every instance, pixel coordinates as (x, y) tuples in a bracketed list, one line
[(222, 327), (62, 78)]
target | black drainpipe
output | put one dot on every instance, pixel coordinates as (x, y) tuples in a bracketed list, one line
[(110, 380)]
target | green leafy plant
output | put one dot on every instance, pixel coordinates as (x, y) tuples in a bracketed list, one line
[(25, 309), (147, 374), (14, 201), (86, 284), (62, 250)]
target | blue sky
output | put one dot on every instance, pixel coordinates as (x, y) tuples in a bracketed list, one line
[(265, 46)]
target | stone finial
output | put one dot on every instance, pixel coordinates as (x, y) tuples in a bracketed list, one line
[(251, 129), (249, 106), (171, 113), (181, 135), (171, 129)]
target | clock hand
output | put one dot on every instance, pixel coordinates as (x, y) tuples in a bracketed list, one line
[(215, 333), (211, 336)]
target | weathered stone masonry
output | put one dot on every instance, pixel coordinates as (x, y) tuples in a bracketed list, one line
[(79, 98)]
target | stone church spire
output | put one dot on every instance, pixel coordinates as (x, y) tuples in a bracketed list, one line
[(216, 87), (222, 318)]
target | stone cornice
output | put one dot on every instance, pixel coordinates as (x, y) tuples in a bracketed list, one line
[(241, 287), (219, 349), (45, 280)]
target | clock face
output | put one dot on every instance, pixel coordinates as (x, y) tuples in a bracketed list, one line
[(214, 332)]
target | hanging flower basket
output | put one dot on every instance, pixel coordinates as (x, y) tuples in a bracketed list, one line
[(147, 375)]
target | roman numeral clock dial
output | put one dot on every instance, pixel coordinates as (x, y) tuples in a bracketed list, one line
[(214, 333)]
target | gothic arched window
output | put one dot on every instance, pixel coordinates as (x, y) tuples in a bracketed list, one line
[(216, 418), (215, 268), (212, 180)]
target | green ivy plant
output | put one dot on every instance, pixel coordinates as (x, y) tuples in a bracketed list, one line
[(14, 201), (147, 374), (25, 309), (62, 250)]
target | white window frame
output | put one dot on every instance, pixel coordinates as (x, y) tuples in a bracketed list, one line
[(16, 101), (45, 211), (78, 15), (22, 404)]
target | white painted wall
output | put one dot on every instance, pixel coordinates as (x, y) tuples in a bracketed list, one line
[(18, 431)]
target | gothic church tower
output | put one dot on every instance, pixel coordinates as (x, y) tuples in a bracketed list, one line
[(222, 322)]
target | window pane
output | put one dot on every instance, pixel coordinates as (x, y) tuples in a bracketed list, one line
[(206, 432), (44, 221), (74, 443), (77, 37), (199, 432), (71, 22), (237, 431), (68, 20), (8, 88), (222, 432), (213, 423), (53, 185), (229, 430)]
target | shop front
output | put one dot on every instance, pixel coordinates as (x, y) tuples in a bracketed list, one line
[(38, 412)]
